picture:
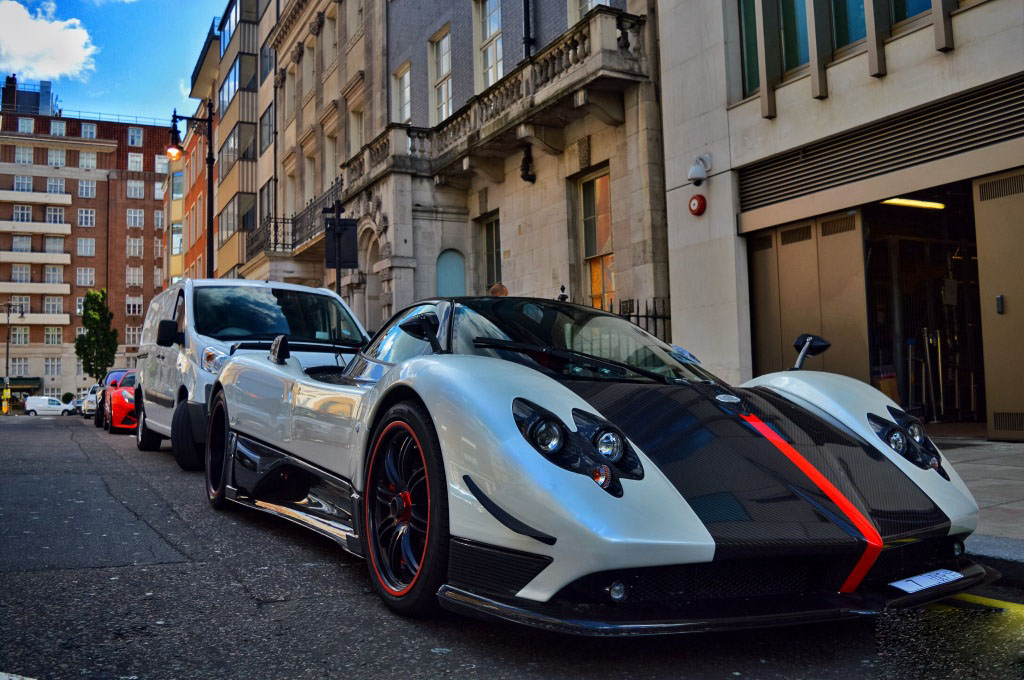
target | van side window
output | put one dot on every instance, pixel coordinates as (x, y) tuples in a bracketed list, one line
[(179, 313)]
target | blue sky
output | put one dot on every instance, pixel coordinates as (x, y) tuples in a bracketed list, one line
[(130, 57)]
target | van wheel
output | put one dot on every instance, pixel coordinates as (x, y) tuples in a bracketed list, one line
[(30, 413), (145, 438), (189, 455), (218, 457), (97, 417)]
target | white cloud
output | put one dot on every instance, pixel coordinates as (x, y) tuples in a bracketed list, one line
[(183, 90), (40, 46)]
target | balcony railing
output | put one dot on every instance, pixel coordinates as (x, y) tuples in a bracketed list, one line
[(309, 223), (211, 35), (274, 235)]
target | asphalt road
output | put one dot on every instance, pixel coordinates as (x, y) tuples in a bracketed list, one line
[(113, 565)]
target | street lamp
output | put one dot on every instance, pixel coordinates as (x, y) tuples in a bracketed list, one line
[(205, 126), (9, 307)]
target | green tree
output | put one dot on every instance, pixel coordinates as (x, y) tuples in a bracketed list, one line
[(98, 346), (67, 398)]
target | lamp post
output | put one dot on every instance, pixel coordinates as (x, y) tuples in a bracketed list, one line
[(9, 307), (205, 125)]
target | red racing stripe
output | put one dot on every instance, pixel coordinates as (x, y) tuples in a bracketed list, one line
[(874, 540)]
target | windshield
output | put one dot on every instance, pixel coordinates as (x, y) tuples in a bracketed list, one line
[(561, 326), (257, 313)]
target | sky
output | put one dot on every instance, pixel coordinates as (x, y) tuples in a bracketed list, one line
[(128, 57)]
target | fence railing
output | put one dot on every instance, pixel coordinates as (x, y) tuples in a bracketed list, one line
[(309, 223), (652, 314), (273, 235)]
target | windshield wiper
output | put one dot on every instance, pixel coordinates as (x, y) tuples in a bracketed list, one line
[(570, 354)]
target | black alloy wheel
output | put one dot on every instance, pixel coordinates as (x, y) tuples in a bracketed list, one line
[(218, 459), (97, 417), (406, 511)]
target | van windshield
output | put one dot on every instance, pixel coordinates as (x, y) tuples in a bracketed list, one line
[(257, 313)]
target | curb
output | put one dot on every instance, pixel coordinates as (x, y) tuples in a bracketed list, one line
[(1003, 554)]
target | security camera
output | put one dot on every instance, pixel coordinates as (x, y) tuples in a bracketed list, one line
[(698, 173)]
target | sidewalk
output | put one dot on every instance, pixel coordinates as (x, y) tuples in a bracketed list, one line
[(994, 472)]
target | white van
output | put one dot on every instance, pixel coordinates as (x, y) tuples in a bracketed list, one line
[(195, 325), (46, 406)]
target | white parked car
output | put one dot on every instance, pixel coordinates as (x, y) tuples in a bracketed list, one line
[(192, 329), (89, 403), (46, 406)]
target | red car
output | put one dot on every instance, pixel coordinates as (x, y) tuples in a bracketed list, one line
[(119, 404)]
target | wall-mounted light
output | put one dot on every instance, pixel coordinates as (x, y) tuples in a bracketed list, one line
[(914, 203)]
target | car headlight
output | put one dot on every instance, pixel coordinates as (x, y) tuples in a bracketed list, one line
[(595, 449), (213, 360), (906, 436), (128, 396)]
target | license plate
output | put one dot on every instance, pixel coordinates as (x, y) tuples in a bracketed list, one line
[(929, 580)]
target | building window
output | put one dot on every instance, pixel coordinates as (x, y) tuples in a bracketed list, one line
[(53, 304), (79, 305), (22, 183), (158, 219), (87, 188), (87, 217), (355, 141), (19, 365), (133, 305), (160, 164), (158, 278), (19, 336), (135, 162), (793, 28), (492, 252), (53, 273), (86, 247), (228, 25), (80, 331), (748, 47), (133, 276), (87, 160), (353, 16), (848, 24), (490, 41), (21, 243), (403, 95), (136, 188), (133, 247), (88, 131), (176, 186), (158, 248), (330, 40), (240, 144), (266, 200), (442, 48), (52, 393), (240, 76), (86, 276), (308, 68), (58, 128), (54, 244), (51, 365), (268, 60), (23, 155), (55, 158), (134, 136), (176, 238), (54, 215), (22, 213), (53, 335), (55, 185), (596, 211), (158, 190), (267, 128), (26, 125), (132, 335), (136, 217)]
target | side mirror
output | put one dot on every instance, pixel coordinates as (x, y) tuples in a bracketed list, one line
[(167, 333), (808, 345), (279, 352), (424, 327)]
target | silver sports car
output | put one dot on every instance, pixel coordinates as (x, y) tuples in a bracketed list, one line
[(557, 466)]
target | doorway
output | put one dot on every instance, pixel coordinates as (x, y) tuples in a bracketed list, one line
[(924, 317)]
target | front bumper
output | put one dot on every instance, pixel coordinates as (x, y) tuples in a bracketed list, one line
[(711, 615)]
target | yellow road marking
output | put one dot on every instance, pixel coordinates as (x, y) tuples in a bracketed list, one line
[(989, 602)]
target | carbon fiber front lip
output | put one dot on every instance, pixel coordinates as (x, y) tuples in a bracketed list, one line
[(829, 608)]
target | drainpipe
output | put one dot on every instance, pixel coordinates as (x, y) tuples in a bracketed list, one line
[(527, 37)]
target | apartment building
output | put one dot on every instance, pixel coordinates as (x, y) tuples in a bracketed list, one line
[(167, 247), (81, 203), (475, 142), (866, 181)]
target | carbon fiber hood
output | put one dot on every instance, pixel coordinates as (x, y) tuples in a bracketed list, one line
[(751, 497)]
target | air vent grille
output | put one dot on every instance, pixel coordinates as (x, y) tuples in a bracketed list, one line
[(1013, 422), (971, 120), (1001, 188), (838, 225), (796, 235), (761, 243)]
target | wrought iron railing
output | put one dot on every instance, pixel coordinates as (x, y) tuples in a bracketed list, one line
[(273, 235), (652, 314), (309, 223)]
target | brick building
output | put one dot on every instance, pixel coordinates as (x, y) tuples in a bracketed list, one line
[(80, 205)]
